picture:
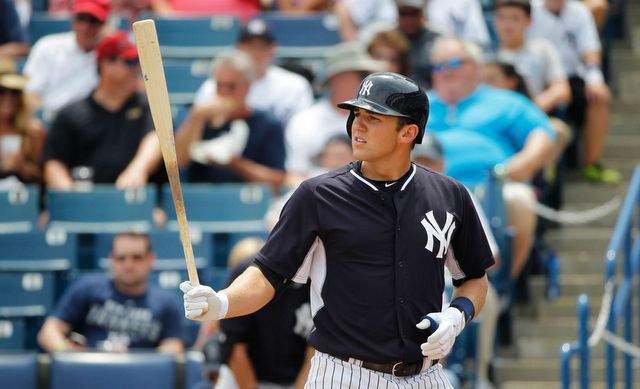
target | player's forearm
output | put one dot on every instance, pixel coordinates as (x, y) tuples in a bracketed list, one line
[(56, 176), (475, 290), (536, 151), (248, 293)]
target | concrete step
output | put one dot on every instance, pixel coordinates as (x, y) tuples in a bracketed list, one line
[(594, 239), (547, 369), (566, 307), (549, 347), (580, 262)]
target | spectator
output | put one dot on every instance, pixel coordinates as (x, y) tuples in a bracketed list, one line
[(62, 67), (245, 9), (308, 131), (412, 23), (111, 131), (274, 89), (261, 354), (13, 37), (130, 8), (511, 121), (298, 6), (462, 18), (21, 135), (392, 47), (116, 313), (570, 26), (355, 15), (226, 140)]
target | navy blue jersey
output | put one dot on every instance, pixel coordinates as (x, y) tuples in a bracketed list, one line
[(376, 259)]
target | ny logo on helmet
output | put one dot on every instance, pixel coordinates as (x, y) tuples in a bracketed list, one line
[(365, 90), (443, 235)]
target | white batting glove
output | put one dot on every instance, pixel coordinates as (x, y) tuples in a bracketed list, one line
[(450, 323), (202, 303)]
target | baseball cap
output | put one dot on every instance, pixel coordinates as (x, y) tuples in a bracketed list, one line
[(412, 3), (96, 8), (256, 28), (118, 45), (350, 57), (430, 148)]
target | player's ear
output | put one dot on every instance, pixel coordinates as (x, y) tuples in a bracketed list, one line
[(408, 133)]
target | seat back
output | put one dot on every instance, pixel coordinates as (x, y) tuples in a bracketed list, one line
[(53, 250), (18, 209), (195, 37), (42, 24), (108, 371), (184, 77), (19, 370), (166, 246), (194, 361), (221, 208), (102, 209), (28, 288), (320, 33)]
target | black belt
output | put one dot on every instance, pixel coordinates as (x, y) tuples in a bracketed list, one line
[(397, 369)]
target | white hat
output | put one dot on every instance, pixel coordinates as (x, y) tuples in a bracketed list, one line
[(350, 57)]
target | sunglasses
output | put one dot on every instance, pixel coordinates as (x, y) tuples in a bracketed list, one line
[(12, 92), (413, 12), (86, 18), (135, 257), (127, 61), (450, 64)]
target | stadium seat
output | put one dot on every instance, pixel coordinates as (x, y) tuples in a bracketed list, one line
[(194, 361), (12, 334), (167, 247), (53, 250), (179, 113), (196, 37), (18, 209), (221, 208), (28, 288), (42, 23), (19, 370), (320, 33), (102, 209), (184, 77), (19, 327), (108, 371)]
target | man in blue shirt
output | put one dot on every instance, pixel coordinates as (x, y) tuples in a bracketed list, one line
[(519, 129), (116, 313)]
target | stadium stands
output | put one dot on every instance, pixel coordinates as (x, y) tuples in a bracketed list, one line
[(112, 370), (184, 77), (102, 209), (18, 209)]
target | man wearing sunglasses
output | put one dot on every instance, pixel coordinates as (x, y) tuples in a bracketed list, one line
[(119, 312), (62, 67), (110, 131)]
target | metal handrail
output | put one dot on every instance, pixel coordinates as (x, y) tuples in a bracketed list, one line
[(616, 301)]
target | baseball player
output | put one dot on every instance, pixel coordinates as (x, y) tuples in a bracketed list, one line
[(373, 237)]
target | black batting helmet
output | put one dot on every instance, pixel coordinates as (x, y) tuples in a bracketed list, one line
[(393, 95)]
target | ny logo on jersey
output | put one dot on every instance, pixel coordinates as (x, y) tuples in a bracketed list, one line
[(443, 235), (366, 88)]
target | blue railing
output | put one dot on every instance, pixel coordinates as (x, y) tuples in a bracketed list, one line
[(624, 245)]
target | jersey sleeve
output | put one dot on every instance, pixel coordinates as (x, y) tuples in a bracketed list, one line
[(58, 145), (291, 242), (470, 254), (74, 303)]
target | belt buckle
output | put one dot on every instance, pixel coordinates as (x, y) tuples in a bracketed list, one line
[(393, 369)]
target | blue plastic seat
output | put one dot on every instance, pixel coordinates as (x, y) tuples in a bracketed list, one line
[(19, 371), (184, 77), (194, 361), (221, 208), (108, 371), (320, 33), (53, 250), (102, 209), (19, 209), (166, 246), (195, 37), (42, 23)]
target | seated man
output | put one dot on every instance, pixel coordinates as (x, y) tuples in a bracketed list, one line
[(111, 131), (62, 67), (226, 140), (116, 313), (511, 121)]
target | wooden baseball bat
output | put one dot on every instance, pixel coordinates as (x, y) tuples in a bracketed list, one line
[(158, 96)]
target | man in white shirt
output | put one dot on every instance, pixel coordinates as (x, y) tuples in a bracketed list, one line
[(274, 89), (62, 67), (570, 26), (309, 130)]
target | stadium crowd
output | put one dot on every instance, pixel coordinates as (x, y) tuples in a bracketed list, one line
[(518, 96)]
